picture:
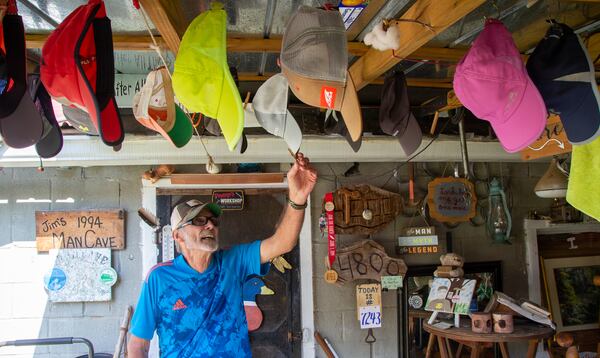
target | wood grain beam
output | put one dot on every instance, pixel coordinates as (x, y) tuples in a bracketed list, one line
[(364, 18), (166, 17), (411, 82), (239, 44), (530, 35), (437, 14)]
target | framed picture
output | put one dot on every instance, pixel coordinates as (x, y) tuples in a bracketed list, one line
[(574, 300)]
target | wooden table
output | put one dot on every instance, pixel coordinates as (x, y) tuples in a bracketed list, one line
[(532, 333)]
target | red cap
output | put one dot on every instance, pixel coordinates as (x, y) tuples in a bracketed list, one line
[(86, 79)]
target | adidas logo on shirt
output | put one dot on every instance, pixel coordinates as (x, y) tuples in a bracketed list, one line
[(179, 305)]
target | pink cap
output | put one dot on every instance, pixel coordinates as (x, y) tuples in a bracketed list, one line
[(492, 82)]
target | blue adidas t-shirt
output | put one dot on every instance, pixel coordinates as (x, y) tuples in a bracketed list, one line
[(199, 314)]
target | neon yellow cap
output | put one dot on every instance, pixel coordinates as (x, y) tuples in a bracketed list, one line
[(202, 81)]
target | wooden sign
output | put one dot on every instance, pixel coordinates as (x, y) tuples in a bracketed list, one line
[(80, 275), (553, 141), (229, 199), (451, 199), (418, 240), (80, 229), (364, 209), (368, 305), (450, 295), (366, 260)]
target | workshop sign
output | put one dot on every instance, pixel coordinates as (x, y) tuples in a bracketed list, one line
[(229, 199), (80, 229), (79, 275)]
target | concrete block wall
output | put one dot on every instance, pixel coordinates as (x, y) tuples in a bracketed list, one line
[(25, 312), (335, 307), (24, 309)]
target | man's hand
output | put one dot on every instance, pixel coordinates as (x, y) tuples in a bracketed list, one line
[(302, 178)]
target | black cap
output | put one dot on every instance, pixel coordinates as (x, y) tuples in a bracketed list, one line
[(52, 139), (395, 117), (338, 126), (20, 123), (562, 71)]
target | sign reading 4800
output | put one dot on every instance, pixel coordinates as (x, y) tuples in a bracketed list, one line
[(80, 229)]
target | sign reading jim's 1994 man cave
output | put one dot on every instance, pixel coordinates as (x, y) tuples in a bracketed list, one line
[(80, 229)]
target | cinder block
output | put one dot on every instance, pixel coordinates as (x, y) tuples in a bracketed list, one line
[(64, 310), (102, 332), (29, 300), (12, 329), (333, 298), (329, 324)]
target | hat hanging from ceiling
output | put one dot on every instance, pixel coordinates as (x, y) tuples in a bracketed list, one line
[(87, 78), (80, 120), (333, 125), (492, 82), (314, 59), (202, 80), (270, 107), (155, 108), (562, 70), (395, 117), (51, 142), (20, 123)]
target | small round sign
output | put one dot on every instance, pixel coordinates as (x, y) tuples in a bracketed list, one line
[(56, 280), (329, 206), (331, 276), (367, 214), (108, 276)]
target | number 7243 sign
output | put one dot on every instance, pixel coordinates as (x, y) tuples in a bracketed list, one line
[(368, 302)]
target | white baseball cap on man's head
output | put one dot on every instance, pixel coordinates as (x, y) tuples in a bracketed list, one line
[(186, 211)]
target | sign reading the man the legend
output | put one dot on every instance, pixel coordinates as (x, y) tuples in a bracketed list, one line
[(80, 229)]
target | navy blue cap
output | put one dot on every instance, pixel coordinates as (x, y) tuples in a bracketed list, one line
[(561, 69)]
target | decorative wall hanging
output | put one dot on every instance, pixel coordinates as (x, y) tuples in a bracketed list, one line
[(451, 200), (499, 221), (418, 240), (252, 287), (364, 209), (79, 275), (229, 199), (366, 260)]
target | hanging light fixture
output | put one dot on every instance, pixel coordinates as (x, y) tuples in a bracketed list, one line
[(499, 222), (553, 184)]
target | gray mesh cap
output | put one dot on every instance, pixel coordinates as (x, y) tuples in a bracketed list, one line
[(186, 211), (314, 59), (270, 108)]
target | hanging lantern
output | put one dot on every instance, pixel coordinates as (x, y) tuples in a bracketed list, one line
[(499, 222)]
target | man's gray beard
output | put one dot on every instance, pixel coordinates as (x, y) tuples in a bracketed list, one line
[(196, 243)]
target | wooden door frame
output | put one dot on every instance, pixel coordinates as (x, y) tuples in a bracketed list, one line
[(149, 251)]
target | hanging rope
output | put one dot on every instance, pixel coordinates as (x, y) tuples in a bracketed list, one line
[(154, 46)]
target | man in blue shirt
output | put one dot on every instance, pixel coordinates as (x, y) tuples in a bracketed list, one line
[(194, 302)]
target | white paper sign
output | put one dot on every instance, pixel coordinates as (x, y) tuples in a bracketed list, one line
[(370, 317)]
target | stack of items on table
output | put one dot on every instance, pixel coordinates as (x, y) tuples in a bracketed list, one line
[(502, 303), (451, 266)]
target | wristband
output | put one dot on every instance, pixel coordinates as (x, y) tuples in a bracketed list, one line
[(296, 206)]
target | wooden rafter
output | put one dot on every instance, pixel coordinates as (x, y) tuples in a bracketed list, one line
[(237, 44), (411, 82), (529, 36), (364, 18), (166, 16), (437, 14)]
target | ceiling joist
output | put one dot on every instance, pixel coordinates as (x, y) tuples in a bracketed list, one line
[(166, 15), (422, 22)]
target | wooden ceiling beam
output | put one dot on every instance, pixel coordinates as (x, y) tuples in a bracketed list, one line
[(166, 16), (438, 15), (411, 82), (239, 44), (365, 17)]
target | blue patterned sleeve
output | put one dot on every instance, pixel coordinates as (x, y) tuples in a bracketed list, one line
[(143, 322), (248, 258)]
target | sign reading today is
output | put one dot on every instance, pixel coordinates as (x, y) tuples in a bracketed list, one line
[(368, 302), (80, 229)]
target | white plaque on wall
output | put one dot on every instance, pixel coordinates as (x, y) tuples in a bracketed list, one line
[(79, 275)]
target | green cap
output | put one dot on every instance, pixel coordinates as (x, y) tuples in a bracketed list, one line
[(202, 81)]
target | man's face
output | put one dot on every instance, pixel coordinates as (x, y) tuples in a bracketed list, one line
[(205, 237)]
